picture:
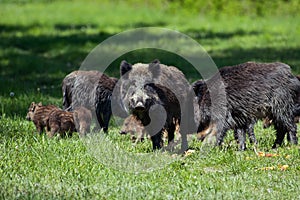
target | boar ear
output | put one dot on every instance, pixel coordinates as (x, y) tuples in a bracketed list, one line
[(32, 107), (40, 104), (156, 61), (197, 84), (154, 68), (125, 67)]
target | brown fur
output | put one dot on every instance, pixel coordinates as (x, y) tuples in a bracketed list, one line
[(137, 131), (202, 134), (135, 127), (60, 122), (39, 115), (82, 119), (268, 122)]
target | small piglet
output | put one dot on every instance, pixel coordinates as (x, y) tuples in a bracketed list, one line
[(39, 115), (60, 122), (82, 118), (135, 127)]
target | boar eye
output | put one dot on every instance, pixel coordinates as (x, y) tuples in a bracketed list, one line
[(148, 87), (126, 87), (32, 109), (133, 82)]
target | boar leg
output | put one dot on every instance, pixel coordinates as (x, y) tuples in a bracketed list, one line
[(157, 141), (106, 118), (241, 134)]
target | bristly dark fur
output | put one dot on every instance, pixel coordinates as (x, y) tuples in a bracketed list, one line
[(268, 121), (160, 95), (254, 91), (91, 89), (199, 88), (145, 85)]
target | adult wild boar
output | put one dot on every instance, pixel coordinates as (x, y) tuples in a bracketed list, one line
[(150, 91), (91, 89), (253, 91), (203, 118)]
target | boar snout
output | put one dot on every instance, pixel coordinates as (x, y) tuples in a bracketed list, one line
[(140, 106), (28, 117)]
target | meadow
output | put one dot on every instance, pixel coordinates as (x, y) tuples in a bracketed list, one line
[(42, 41)]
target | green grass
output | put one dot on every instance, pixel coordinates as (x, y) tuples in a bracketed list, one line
[(34, 166), (42, 41)]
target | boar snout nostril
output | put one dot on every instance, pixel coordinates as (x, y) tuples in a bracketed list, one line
[(139, 106)]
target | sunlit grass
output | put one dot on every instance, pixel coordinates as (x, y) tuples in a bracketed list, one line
[(41, 42)]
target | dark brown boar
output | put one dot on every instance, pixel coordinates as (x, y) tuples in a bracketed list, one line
[(253, 91), (144, 86), (39, 115), (267, 122), (199, 88)]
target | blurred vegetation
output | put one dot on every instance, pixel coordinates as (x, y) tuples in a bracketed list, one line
[(42, 41), (237, 7), (212, 7)]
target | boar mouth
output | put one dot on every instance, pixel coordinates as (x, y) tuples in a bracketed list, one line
[(139, 107)]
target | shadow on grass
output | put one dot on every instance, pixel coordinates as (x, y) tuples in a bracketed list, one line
[(234, 56), (29, 62), (143, 24), (82, 27), (13, 28), (209, 34)]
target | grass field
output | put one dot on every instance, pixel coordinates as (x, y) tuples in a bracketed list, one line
[(42, 41)]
